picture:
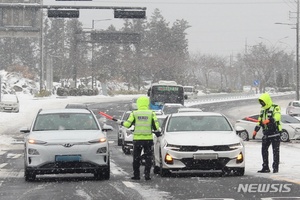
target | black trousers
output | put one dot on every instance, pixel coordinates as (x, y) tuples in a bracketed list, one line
[(138, 146), (266, 142)]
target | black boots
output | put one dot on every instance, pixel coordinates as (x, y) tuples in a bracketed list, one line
[(264, 170), (275, 170), (135, 178)]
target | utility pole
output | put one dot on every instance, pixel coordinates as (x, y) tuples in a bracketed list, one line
[(41, 48), (297, 52)]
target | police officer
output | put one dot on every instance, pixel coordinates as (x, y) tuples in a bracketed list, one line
[(144, 121), (269, 120)]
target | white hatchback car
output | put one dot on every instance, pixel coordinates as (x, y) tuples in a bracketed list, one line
[(9, 103), (293, 108), (198, 142), (290, 128), (66, 141)]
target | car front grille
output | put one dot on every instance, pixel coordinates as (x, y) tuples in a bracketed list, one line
[(67, 165), (197, 148), (215, 164)]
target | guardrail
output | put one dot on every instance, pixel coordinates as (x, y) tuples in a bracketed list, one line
[(231, 96)]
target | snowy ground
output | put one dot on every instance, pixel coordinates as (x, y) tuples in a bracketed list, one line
[(289, 164)]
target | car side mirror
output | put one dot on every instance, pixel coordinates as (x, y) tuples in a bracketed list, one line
[(24, 130), (107, 128), (129, 132), (239, 129)]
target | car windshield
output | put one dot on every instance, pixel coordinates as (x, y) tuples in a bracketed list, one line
[(188, 89), (170, 110), (198, 123), (296, 104), (65, 121), (289, 119), (160, 120), (11, 98)]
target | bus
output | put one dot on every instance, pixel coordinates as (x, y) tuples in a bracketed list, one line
[(165, 92)]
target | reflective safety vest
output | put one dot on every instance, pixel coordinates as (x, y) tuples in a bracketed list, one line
[(272, 127), (143, 125)]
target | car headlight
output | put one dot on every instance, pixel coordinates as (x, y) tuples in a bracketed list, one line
[(100, 140), (240, 158), (169, 159), (236, 146), (173, 147), (33, 141)]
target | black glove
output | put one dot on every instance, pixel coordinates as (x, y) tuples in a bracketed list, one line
[(157, 133)]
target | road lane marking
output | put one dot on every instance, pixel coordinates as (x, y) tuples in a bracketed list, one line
[(11, 173), (128, 184), (281, 178), (83, 194), (116, 170), (3, 165), (147, 192)]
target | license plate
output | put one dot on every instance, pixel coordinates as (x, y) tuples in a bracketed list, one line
[(68, 158), (206, 156)]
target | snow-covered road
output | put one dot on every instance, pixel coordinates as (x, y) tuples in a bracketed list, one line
[(289, 152)]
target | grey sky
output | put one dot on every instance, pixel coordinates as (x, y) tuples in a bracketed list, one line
[(221, 27)]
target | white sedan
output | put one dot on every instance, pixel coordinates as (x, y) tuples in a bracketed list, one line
[(198, 142), (66, 141), (290, 128)]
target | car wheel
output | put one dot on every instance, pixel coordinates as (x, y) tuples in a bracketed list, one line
[(119, 140), (156, 169), (103, 174), (284, 136), (244, 135), (125, 149), (29, 175), (163, 172), (239, 171)]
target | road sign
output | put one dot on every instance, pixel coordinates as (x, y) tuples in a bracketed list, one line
[(115, 37), (131, 14), (256, 82), (63, 13)]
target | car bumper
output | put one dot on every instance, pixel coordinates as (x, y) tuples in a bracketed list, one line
[(204, 160), (296, 136), (59, 159), (128, 144), (9, 108)]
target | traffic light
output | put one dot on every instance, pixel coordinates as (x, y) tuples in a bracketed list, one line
[(63, 13), (132, 14)]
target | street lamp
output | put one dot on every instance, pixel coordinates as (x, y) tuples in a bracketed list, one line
[(41, 44), (278, 41), (273, 46)]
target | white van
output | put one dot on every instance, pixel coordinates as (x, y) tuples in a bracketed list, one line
[(190, 92)]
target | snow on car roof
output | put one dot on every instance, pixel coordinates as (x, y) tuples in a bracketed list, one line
[(197, 114), (51, 111)]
